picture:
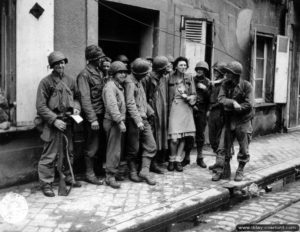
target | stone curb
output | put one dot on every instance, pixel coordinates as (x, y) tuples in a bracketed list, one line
[(155, 216), (266, 175), (151, 218)]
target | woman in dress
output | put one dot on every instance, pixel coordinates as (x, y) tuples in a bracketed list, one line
[(182, 96)]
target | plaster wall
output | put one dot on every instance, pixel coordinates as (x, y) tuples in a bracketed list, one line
[(34, 43)]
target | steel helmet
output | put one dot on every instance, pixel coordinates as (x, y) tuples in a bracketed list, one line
[(122, 58), (234, 67), (117, 66), (160, 63), (93, 52), (55, 57), (170, 58), (140, 66), (202, 64), (220, 67)]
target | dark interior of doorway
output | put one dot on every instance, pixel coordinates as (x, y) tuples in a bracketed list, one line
[(120, 35)]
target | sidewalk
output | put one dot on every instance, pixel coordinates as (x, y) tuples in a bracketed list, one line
[(139, 207)]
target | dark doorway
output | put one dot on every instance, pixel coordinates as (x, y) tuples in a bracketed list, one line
[(119, 34)]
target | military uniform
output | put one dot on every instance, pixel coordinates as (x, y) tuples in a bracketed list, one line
[(90, 83), (56, 96)]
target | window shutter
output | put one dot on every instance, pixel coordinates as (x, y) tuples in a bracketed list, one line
[(195, 41), (194, 31), (281, 69), (253, 59)]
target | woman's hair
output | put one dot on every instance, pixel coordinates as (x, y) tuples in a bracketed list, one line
[(181, 58)]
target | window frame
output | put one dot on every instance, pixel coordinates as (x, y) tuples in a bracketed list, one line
[(267, 52)]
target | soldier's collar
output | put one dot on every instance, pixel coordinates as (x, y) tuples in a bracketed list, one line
[(56, 77), (94, 70)]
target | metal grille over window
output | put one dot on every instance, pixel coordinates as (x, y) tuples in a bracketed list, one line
[(194, 31)]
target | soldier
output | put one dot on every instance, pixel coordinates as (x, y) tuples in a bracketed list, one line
[(114, 120), (138, 127), (236, 95), (215, 113), (90, 83), (202, 84), (156, 88), (123, 59), (104, 67), (57, 97)]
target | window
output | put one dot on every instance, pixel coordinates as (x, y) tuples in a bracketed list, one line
[(263, 67), (261, 64)]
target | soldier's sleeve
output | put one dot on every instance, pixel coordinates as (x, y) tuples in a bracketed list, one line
[(76, 94), (85, 98), (43, 94), (226, 102), (247, 104), (130, 102), (111, 104)]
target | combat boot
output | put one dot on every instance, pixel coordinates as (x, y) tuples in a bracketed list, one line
[(144, 173), (216, 176), (212, 167), (110, 180), (47, 189), (187, 159), (90, 176), (156, 168), (200, 162), (178, 167), (226, 170), (133, 176), (239, 175)]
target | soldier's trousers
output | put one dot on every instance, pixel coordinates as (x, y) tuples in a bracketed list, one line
[(136, 138), (215, 124), (114, 145), (95, 140), (243, 134), (200, 123), (48, 160)]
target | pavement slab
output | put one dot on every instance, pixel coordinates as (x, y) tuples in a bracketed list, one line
[(140, 207)]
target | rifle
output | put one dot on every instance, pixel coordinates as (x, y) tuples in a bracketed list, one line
[(63, 152), (228, 146), (62, 187)]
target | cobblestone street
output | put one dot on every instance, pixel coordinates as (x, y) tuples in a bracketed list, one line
[(136, 206), (281, 207)]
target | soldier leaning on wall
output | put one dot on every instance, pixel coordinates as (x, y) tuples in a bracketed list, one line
[(90, 83), (57, 97)]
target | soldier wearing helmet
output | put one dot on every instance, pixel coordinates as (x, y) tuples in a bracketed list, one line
[(114, 119), (155, 86), (138, 127), (90, 83), (215, 112), (171, 63), (236, 96), (202, 84), (57, 97)]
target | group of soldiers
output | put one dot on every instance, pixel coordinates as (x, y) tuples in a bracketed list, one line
[(135, 109)]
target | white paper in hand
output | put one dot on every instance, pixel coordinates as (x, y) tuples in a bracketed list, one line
[(77, 118)]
